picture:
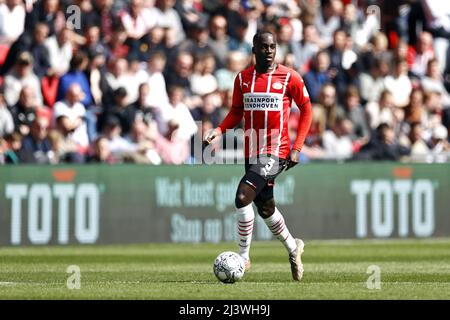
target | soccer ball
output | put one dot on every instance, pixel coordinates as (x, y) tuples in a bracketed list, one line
[(229, 267)]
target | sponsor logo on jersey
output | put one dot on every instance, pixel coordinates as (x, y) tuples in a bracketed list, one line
[(277, 85), (263, 101)]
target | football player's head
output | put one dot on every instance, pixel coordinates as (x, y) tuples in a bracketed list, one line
[(264, 49)]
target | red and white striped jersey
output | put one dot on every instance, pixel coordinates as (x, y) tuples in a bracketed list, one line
[(264, 100)]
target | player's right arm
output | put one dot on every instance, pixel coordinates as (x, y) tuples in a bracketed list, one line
[(234, 116)]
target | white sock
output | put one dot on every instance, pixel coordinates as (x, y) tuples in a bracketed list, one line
[(278, 227), (246, 219)]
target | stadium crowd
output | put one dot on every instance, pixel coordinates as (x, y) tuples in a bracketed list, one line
[(108, 81)]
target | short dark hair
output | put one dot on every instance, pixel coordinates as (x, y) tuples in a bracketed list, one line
[(382, 127), (258, 36), (78, 59)]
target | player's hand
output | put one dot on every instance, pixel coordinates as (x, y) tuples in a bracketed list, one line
[(211, 135), (293, 159)]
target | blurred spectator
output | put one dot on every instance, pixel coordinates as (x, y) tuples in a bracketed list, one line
[(419, 147), (118, 77), (12, 21), (399, 84), (6, 119), (24, 111), (101, 152), (338, 141), (236, 62), (36, 147), (168, 17), (218, 39), (336, 53), (382, 146), (93, 41), (198, 42), (141, 138), (318, 75), (432, 115), (123, 110), (305, 50), (190, 12), (179, 73), (48, 12), (73, 113), (419, 56), (433, 81), (151, 43), (137, 20), (415, 110), (318, 126), (349, 56), (351, 23), (328, 102), (116, 143), (251, 11), (170, 147), (328, 19), (368, 27), (117, 44), (12, 144), (78, 65), (437, 21), (39, 51), (101, 15), (446, 118), (377, 50), (157, 96), (147, 112), (371, 83), (60, 51), (96, 75), (19, 76), (180, 113), (353, 110), (202, 79), (64, 148), (285, 42), (138, 75), (439, 142), (209, 109), (381, 111), (238, 43)]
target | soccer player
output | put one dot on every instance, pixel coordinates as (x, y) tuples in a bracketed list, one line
[(263, 95)]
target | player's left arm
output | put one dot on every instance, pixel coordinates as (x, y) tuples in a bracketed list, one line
[(299, 94)]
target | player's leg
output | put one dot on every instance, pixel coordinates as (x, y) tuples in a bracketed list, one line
[(277, 225), (247, 190), (273, 218)]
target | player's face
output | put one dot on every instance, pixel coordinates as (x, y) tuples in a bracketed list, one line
[(265, 51)]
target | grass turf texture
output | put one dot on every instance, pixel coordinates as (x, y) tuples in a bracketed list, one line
[(410, 269)]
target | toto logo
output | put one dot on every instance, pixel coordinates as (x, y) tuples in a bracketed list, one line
[(34, 204), (376, 202)]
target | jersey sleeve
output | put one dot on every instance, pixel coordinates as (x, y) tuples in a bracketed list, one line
[(236, 113), (299, 94)]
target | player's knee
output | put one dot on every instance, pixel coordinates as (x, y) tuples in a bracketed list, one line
[(241, 200), (266, 208)]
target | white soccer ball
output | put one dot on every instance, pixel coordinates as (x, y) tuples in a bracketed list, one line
[(229, 267)]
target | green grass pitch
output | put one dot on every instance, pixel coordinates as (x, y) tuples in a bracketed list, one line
[(410, 269)]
